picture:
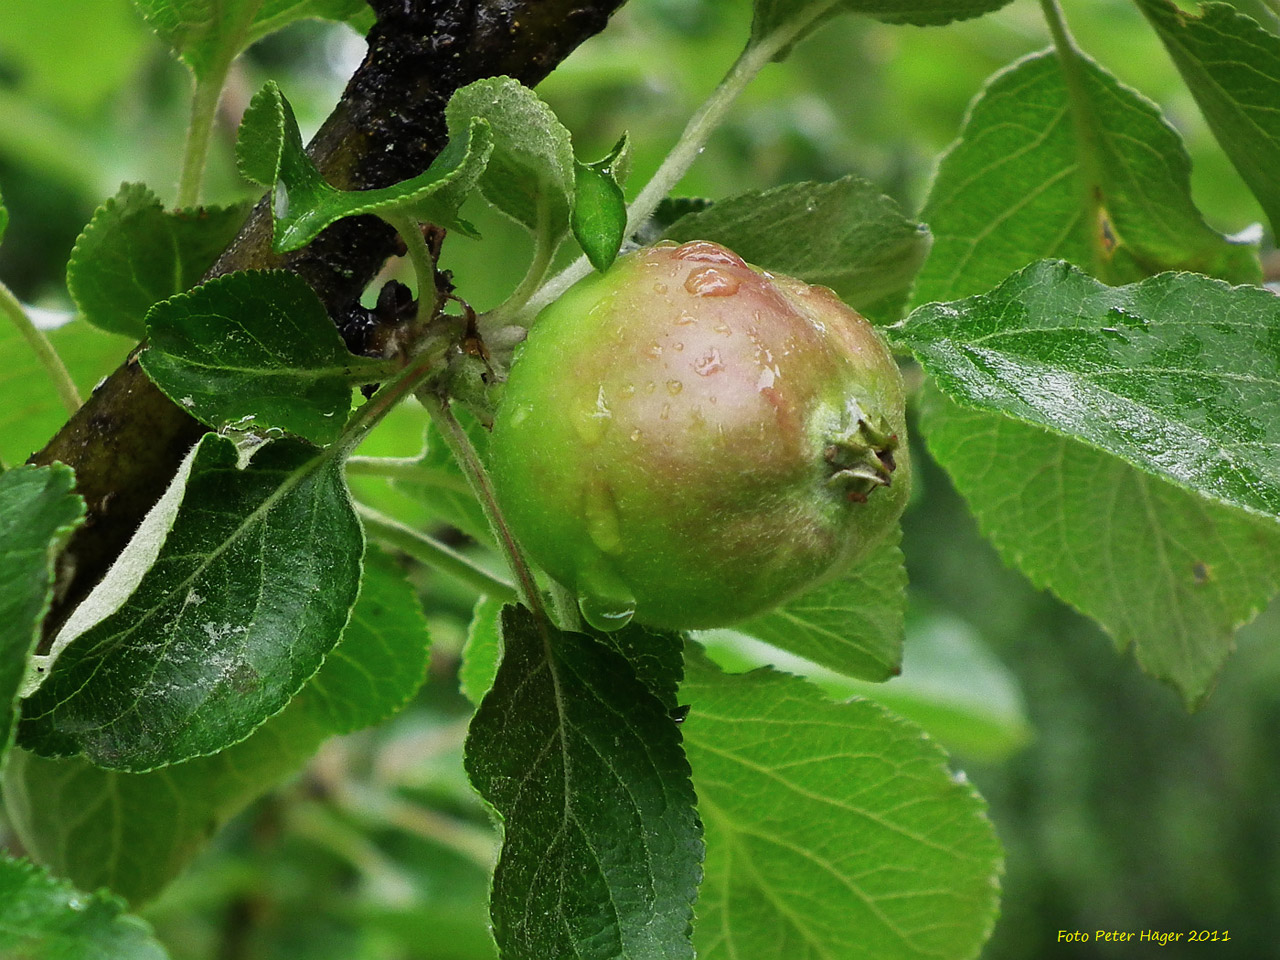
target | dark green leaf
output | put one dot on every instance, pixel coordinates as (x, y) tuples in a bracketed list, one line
[(252, 587), (46, 919), (482, 651), (602, 847), (852, 625), (1162, 570), (134, 254), (1178, 375), (134, 832), (1232, 67), (38, 511), (255, 348), (304, 203), (599, 208), (208, 36), (1096, 177), (833, 829), (530, 176), (843, 235), (656, 656)]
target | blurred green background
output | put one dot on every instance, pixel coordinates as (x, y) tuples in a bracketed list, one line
[(1117, 808)]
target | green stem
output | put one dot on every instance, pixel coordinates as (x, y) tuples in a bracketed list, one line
[(39, 343), (686, 150), (433, 553), (409, 469), (381, 403), (473, 469), (204, 110), (424, 265)]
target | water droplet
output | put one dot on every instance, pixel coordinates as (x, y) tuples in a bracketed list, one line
[(660, 288), (705, 251), (666, 412), (677, 347), (606, 613), (636, 435), (651, 386), (629, 390), (604, 598), (685, 319), (674, 387), (601, 514), (711, 282), (723, 328), (706, 366), (655, 350)]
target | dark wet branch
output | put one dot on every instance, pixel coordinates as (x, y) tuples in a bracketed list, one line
[(127, 440)]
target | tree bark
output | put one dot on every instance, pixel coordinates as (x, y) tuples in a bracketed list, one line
[(127, 440)]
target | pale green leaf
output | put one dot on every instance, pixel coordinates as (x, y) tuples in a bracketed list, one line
[(482, 650), (270, 151), (1097, 178), (853, 625), (209, 34), (255, 349), (46, 919), (1232, 67), (134, 832), (602, 848), (833, 829), (1162, 570), (442, 489), (252, 587), (793, 18), (38, 511), (530, 176), (844, 235), (134, 253)]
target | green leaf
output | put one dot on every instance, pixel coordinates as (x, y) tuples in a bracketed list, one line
[(794, 18), (668, 211), (207, 35), (134, 254), (134, 832), (1178, 375), (833, 829), (30, 409), (4, 217), (530, 176), (1093, 176), (844, 235), (1013, 190), (1232, 67), (255, 347), (269, 150), (38, 511), (1162, 570), (602, 847), (46, 919), (599, 208), (482, 650), (252, 587), (852, 625)]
